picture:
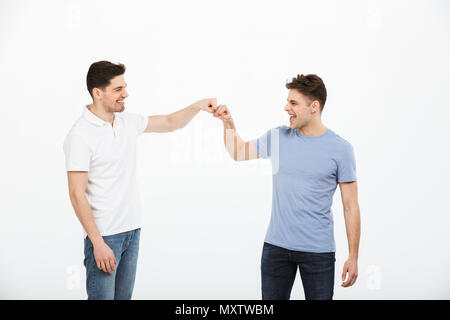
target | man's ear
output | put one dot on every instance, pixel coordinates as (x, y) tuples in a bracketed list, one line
[(315, 106), (96, 92)]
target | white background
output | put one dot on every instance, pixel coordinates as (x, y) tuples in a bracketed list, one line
[(387, 70)]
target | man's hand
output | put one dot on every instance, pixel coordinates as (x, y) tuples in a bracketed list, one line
[(222, 113), (104, 257), (208, 105), (350, 267)]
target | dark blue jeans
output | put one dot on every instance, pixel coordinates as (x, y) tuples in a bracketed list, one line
[(119, 285), (279, 268)]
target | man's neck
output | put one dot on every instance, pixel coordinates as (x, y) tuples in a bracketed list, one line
[(314, 128), (100, 112)]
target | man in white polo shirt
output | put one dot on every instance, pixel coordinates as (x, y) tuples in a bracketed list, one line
[(100, 152)]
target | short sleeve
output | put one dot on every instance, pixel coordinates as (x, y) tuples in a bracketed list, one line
[(142, 123), (77, 152), (263, 145), (346, 171), (138, 121)]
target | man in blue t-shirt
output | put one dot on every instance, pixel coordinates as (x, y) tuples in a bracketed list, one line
[(308, 162)]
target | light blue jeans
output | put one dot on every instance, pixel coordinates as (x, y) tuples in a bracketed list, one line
[(119, 285)]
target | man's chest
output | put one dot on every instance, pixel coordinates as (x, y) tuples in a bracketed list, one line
[(307, 161), (112, 148)]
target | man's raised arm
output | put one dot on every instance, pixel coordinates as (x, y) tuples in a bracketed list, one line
[(180, 118), (237, 148)]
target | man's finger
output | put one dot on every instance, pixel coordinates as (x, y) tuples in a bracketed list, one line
[(222, 109), (219, 110), (216, 113), (113, 264), (102, 266), (355, 276), (108, 267), (224, 115), (346, 283), (351, 280)]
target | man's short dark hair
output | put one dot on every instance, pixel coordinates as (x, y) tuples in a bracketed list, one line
[(311, 85), (100, 74)]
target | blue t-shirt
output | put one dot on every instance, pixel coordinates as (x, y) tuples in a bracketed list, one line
[(306, 171)]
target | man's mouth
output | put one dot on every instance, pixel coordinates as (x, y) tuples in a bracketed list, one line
[(292, 117), (121, 102)]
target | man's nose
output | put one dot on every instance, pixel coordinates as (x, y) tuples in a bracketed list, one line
[(286, 107), (125, 93)]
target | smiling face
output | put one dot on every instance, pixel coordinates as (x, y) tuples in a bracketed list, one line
[(112, 97), (301, 109)]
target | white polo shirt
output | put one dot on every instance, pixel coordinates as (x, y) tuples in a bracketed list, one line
[(108, 154)]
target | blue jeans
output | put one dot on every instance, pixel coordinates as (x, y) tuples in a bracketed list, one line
[(119, 285), (279, 268)]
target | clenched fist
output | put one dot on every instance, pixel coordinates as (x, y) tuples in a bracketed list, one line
[(208, 105), (222, 113)]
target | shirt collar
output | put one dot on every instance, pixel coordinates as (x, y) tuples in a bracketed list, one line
[(92, 118)]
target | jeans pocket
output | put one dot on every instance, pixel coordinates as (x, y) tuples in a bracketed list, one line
[(324, 257)]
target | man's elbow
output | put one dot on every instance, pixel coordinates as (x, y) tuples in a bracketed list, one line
[(351, 208), (76, 196), (171, 124), (171, 127), (240, 155), (232, 155)]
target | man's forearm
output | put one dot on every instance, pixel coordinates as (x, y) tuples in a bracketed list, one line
[(233, 142), (84, 213), (181, 118), (353, 227)]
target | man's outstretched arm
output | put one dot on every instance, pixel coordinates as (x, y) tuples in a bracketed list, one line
[(237, 148), (180, 118), (349, 195)]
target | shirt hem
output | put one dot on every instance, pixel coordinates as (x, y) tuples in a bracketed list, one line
[(125, 229), (298, 248)]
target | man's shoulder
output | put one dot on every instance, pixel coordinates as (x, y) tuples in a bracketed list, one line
[(81, 129), (339, 142), (283, 129)]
